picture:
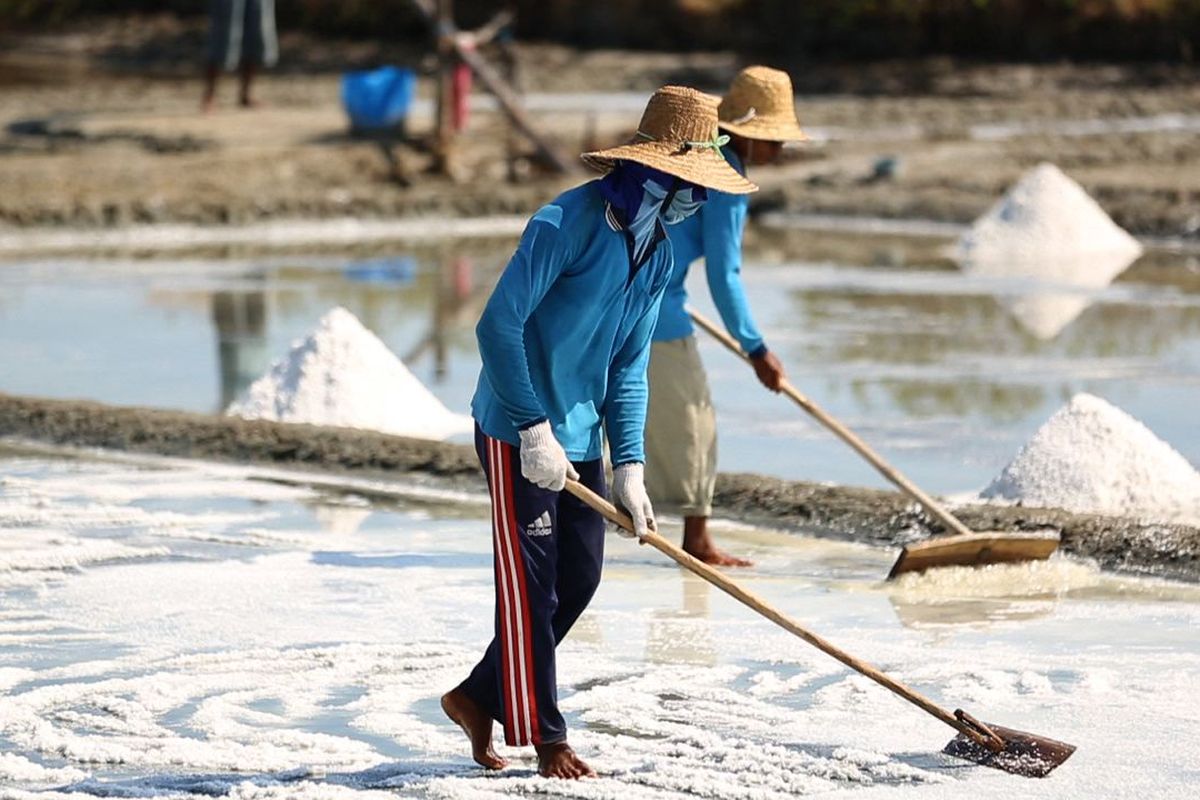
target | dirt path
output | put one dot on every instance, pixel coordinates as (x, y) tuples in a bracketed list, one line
[(91, 141)]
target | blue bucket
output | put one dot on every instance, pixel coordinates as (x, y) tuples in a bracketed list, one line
[(378, 98)]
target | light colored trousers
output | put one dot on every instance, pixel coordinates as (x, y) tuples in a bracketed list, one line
[(242, 32), (681, 430)]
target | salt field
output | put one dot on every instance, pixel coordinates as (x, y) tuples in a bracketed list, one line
[(248, 551), (947, 371), (188, 630)]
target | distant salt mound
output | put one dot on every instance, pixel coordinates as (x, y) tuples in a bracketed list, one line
[(343, 375), (1046, 215), (1052, 244), (1093, 457)]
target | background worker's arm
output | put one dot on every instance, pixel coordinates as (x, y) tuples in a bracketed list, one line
[(540, 258), (625, 406), (625, 420), (722, 221)]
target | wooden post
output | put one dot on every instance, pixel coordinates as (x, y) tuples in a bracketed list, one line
[(444, 32), (491, 80), (508, 61)]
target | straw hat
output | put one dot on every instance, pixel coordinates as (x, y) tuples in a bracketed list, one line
[(760, 105), (678, 135)]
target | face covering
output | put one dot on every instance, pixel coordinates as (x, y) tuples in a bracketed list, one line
[(640, 194), (685, 203)]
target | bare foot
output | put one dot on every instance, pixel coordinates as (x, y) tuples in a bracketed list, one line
[(699, 543), (475, 722), (558, 760), (717, 557)]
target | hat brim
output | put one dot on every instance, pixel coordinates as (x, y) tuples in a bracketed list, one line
[(703, 166), (766, 130)]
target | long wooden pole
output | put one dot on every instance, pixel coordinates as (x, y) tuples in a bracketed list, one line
[(845, 434), (753, 601)]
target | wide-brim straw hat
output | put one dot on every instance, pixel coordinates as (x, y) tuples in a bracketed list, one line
[(678, 135), (760, 105)]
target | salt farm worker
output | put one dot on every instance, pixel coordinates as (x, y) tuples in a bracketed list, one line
[(759, 115), (241, 35), (564, 340)]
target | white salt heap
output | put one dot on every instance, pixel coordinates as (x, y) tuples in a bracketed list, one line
[(1053, 243), (343, 375), (1046, 215), (1093, 457)]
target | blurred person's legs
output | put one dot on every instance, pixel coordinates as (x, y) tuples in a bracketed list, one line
[(260, 46), (242, 37), (681, 445)]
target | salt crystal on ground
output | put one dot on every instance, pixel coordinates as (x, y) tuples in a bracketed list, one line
[(1045, 215), (1093, 457), (343, 375)]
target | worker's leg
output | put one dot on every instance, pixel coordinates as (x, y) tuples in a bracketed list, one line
[(515, 681), (681, 445), (580, 548)]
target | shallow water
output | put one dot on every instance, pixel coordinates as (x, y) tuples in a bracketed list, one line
[(946, 373), (195, 630)]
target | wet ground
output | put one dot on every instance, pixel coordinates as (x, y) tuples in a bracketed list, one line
[(190, 630), (947, 373)]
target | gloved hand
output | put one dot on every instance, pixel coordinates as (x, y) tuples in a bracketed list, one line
[(629, 494), (543, 461)]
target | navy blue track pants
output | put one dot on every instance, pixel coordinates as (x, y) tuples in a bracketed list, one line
[(547, 551)]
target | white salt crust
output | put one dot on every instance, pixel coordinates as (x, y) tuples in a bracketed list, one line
[(312, 672), (343, 375), (1091, 456)]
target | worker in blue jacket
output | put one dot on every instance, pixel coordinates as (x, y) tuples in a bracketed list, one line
[(759, 115), (564, 340)]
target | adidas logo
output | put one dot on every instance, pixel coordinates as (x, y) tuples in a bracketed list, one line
[(540, 526)]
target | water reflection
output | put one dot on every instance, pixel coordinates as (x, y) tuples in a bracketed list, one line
[(421, 310), (240, 320), (1000, 347), (971, 613), (457, 300), (683, 636), (340, 520), (1050, 293), (911, 350)]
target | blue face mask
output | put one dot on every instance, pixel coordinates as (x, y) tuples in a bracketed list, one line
[(685, 203), (640, 193)]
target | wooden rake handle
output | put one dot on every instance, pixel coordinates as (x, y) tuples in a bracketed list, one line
[(756, 603), (848, 436)]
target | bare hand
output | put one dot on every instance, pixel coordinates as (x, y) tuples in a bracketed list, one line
[(769, 371)]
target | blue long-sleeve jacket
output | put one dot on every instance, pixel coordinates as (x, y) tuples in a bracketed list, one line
[(566, 334), (714, 233)]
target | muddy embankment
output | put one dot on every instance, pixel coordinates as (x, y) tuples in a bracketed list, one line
[(865, 515)]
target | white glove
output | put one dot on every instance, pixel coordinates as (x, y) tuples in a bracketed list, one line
[(543, 461), (629, 494)]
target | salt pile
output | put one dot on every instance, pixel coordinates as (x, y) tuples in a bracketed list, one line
[(1045, 215), (1047, 235), (342, 374), (1093, 457)]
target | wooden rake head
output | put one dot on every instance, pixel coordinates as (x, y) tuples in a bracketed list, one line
[(1013, 751)]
